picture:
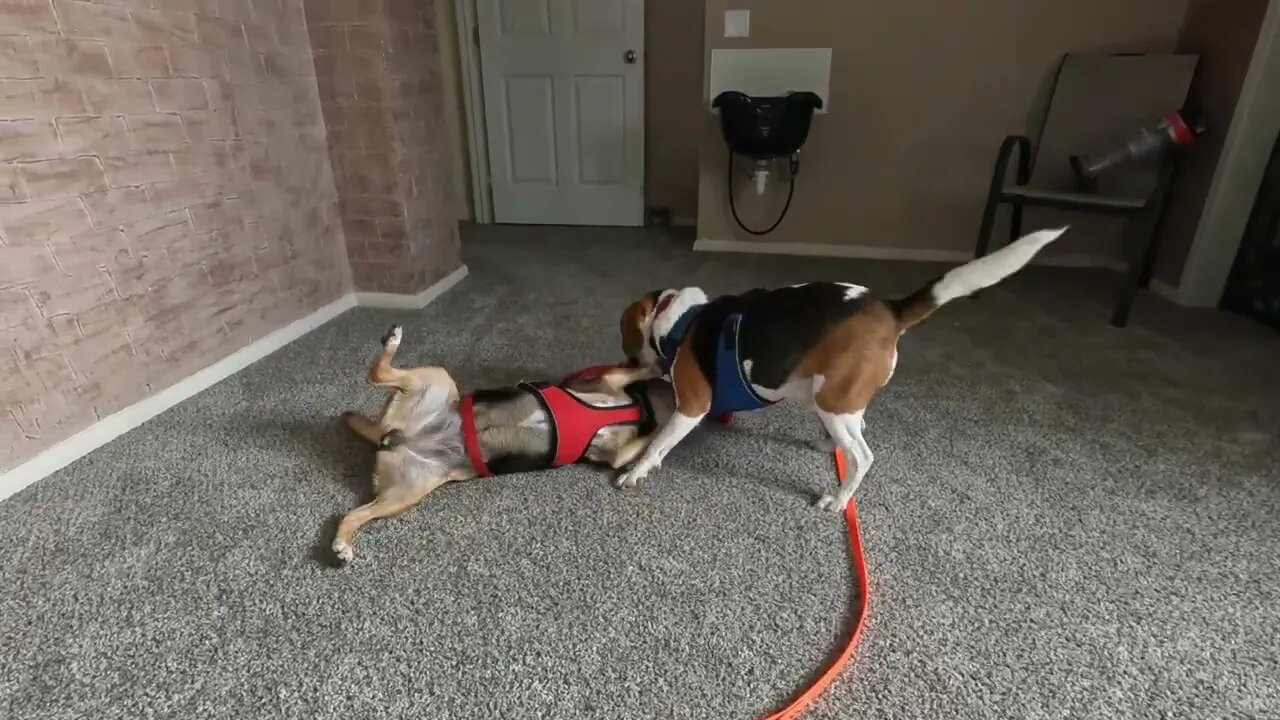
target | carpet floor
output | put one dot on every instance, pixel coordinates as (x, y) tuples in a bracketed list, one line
[(1064, 520)]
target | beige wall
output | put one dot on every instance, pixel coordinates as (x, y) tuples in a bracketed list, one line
[(673, 92), (922, 93), (378, 73), (1224, 34), (455, 115), (424, 144), (165, 199)]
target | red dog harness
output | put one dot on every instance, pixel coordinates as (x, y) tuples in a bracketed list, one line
[(573, 424)]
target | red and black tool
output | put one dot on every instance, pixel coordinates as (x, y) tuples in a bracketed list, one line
[(1146, 142)]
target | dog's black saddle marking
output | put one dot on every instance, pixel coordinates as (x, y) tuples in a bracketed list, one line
[(778, 327)]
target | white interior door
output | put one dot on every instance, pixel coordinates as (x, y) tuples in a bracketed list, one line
[(564, 109)]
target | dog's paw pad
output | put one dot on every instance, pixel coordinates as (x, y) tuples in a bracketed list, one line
[(626, 481), (343, 552), (392, 338)]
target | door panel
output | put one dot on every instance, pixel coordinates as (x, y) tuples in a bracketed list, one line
[(598, 16), (602, 154), (529, 119), (564, 110), (524, 17)]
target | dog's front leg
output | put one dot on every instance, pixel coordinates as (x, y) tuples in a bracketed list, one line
[(693, 401), (619, 378), (668, 437)]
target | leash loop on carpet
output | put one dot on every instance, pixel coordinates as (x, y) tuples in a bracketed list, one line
[(802, 701)]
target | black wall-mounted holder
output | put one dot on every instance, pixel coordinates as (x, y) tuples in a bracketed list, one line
[(763, 129)]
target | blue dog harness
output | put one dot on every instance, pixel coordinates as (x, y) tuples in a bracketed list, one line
[(730, 389)]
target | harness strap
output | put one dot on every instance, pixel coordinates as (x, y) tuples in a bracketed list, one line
[(470, 438), (573, 423), (731, 390), (666, 346), (576, 422), (535, 390)]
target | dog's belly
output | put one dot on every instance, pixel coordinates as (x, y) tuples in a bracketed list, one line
[(410, 412), (428, 441)]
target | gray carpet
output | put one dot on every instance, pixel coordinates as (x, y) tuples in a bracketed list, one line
[(1065, 520)]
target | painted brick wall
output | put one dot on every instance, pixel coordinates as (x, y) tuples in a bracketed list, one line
[(165, 198), (424, 165), (377, 67)]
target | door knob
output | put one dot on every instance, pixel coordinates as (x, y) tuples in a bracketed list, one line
[(629, 57)]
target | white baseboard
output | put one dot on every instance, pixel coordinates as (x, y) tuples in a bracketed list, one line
[(397, 301), (122, 421), (868, 252), (864, 252), (113, 426)]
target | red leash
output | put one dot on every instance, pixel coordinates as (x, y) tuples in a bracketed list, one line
[(590, 373), (811, 693), (802, 701)]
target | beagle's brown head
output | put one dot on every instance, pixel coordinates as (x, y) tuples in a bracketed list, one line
[(654, 315), (634, 327)]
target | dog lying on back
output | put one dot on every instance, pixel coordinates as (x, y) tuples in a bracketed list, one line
[(832, 345), (427, 435)]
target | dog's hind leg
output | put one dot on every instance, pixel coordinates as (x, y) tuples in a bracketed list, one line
[(362, 426), (383, 374), (846, 428), (393, 501), (824, 443), (841, 405)]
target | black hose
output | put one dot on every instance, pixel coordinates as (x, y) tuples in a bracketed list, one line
[(791, 191)]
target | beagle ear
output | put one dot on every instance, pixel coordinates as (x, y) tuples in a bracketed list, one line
[(632, 325)]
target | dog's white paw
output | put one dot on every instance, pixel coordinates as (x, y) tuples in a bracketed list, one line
[(392, 338), (831, 502), (343, 552), (630, 479)]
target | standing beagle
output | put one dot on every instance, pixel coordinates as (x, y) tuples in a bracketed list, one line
[(829, 344)]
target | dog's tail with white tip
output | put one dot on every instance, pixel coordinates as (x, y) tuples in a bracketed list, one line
[(971, 277)]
